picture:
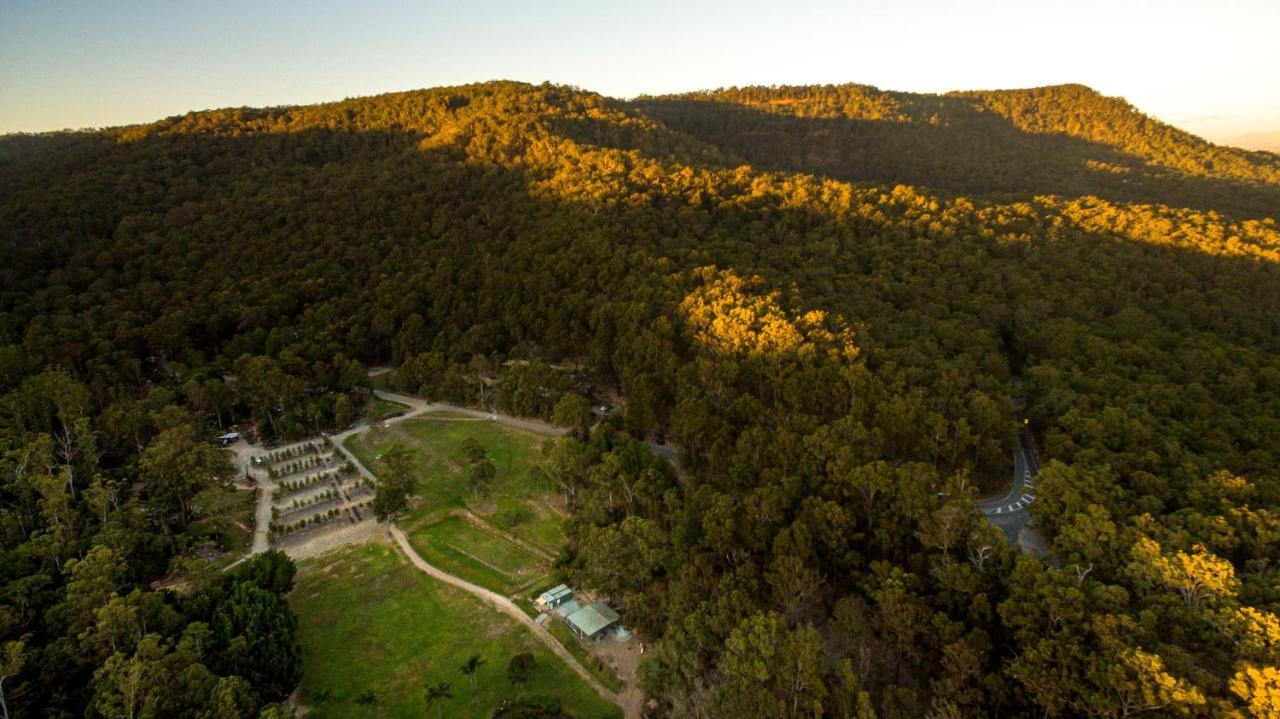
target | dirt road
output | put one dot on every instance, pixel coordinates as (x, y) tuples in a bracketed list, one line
[(502, 604)]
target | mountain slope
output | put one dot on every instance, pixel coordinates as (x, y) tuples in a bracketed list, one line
[(835, 360), (1066, 140)]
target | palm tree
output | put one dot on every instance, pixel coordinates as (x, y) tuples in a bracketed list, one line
[(436, 694), (369, 699), (470, 670)]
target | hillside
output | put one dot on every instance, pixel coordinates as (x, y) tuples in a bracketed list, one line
[(822, 295), (1065, 140)]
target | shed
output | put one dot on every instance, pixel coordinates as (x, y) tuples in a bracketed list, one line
[(592, 620), (554, 597), (229, 438)]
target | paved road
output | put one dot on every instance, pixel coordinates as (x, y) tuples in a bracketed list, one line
[(1010, 512), (502, 604)]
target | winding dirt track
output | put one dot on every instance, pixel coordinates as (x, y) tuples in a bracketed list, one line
[(502, 604)]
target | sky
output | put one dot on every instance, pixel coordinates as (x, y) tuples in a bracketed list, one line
[(1212, 67)]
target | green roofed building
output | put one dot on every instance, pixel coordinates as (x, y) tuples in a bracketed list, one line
[(554, 597), (593, 620)]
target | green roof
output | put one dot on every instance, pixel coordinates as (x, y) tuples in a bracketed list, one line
[(593, 618), (556, 594)]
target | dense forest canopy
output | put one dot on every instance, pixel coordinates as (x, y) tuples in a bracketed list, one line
[(826, 296), (1065, 140)]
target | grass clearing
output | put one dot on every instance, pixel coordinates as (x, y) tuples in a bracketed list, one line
[(519, 500), (475, 555), (368, 620), (380, 408)]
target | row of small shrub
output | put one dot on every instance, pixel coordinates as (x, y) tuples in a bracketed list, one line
[(298, 450), (298, 466), (300, 503), (279, 529), (294, 485)]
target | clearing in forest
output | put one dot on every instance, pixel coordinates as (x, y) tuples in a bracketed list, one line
[(520, 500), (367, 621)]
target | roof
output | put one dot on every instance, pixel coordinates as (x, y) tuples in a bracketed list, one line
[(230, 435), (569, 607), (555, 594), (593, 618)]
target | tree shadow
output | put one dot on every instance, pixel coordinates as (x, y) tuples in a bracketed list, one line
[(957, 148)]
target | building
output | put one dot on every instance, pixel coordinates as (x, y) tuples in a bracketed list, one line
[(553, 597), (593, 621), (569, 607)]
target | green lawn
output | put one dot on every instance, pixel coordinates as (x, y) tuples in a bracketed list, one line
[(380, 408), (517, 502), (475, 555), (368, 620)]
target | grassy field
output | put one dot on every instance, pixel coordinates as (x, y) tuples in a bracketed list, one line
[(518, 502), (380, 408), (476, 555), (369, 621)]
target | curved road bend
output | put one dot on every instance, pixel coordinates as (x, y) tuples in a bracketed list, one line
[(1010, 512)]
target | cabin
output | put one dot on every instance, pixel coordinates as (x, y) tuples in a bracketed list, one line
[(553, 598)]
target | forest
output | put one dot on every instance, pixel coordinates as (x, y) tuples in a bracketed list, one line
[(832, 300)]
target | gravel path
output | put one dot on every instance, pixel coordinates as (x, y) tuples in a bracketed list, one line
[(509, 608)]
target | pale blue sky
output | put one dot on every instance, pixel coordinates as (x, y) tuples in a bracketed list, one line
[(1209, 66)]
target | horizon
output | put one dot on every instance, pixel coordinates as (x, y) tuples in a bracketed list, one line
[(85, 66)]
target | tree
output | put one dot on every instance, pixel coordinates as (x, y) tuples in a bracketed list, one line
[(232, 697), (255, 630), (574, 412), (772, 671), (474, 662), (391, 495), (436, 694), (271, 570), (12, 661), (177, 466), (481, 475), (1258, 688), (1195, 575), (344, 413), (519, 667), (472, 451)]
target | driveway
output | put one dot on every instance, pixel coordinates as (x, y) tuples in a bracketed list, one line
[(506, 606)]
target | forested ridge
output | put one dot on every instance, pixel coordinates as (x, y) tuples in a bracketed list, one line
[(1065, 140), (823, 295)]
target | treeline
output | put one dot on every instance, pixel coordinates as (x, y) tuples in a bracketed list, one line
[(835, 361)]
